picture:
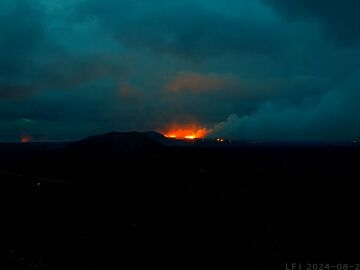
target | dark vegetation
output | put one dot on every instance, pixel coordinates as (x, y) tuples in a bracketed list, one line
[(127, 201)]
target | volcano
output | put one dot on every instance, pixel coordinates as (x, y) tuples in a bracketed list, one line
[(122, 142)]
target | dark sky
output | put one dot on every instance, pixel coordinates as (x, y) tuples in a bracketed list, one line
[(254, 69)]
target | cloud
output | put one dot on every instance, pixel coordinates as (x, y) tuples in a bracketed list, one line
[(197, 83), (35, 55), (22, 34), (339, 18), (220, 86), (68, 71), (77, 68), (15, 91), (187, 29), (336, 116)]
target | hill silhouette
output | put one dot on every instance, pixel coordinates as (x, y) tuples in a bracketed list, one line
[(124, 200), (120, 142), (156, 136)]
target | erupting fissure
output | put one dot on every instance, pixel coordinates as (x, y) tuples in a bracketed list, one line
[(190, 132)]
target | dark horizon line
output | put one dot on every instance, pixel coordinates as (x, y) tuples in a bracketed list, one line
[(234, 140)]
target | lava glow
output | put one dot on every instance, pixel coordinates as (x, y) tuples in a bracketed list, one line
[(189, 132), (26, 139)]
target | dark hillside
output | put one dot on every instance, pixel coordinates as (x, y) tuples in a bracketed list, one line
[(129, 202)]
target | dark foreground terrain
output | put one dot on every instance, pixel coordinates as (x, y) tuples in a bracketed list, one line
[(127, 201)]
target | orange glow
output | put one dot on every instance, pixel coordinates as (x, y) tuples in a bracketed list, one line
[(26, 139), (189, 132)]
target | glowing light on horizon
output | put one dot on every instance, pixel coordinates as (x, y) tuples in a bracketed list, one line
[(189, 132), (26, 139)]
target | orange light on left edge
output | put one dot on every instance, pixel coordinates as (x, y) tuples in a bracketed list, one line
[(26, 139)]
